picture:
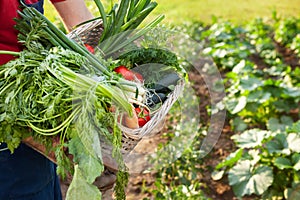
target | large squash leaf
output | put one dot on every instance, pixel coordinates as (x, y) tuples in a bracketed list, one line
[(246, 178), (251, 138)]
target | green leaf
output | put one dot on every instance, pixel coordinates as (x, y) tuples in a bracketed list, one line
[(293, 140), (295, 128), (282, 105), (217, 175), (246, 179), (251, 138), (274, 125), (90, 167), (85, 128), (296, 161), (259, 96), (236, 105), (79, 189), (239, 67), (2, 116), (283, 163), (254, 155), (278, 144), (231, 159), (250, 83), (292, 92), (239, 124)]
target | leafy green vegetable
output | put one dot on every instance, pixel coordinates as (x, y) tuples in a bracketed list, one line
[(120, 21), (57, 89), (149, 55), (87, 191)]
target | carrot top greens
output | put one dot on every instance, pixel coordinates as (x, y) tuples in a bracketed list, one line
[(56, 88)]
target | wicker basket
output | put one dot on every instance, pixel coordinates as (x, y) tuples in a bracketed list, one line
[(90, 33)]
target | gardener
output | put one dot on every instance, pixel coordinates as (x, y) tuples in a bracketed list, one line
[(27, 174)]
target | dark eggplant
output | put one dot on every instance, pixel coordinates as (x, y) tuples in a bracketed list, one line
[(159, 97), (156, 98), (162, 85)]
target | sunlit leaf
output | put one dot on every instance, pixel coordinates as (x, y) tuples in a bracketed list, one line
[(258, 96), (217, 175), (231, 159), (296, 161), (292, 92), (293, 140), (239, 67), (283, 163), (236, 105), (251, 138), (278, 144), (247, 179), (295, 128), (250, 83)]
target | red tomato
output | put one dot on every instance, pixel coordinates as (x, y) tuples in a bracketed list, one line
[(128, 74), (143, 116), (89, 48), (139, 77)]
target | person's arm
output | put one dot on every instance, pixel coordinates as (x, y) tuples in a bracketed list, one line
[(72, 12)]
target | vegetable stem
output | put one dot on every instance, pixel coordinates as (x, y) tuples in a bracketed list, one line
[(13, 53)]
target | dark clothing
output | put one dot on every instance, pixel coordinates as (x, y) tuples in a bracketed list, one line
[(27, 175)]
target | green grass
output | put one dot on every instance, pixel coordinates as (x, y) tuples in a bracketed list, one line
[(237, 11)]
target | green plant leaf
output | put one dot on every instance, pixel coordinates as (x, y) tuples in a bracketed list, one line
[(79, 189), (259, 96), (278, 144), (293, 140), (251, 138), (253, 155), (231, 159), (247, 179), (236, 105), (283, 163), (239, 124), (295, 128), (217, 174), (275, 124), (292, 92), (250, 83), (89, 166), (296, 161)]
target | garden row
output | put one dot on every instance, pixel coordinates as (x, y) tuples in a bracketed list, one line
[(261, 68)]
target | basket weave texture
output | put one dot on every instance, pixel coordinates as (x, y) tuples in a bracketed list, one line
[(90, 33)]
